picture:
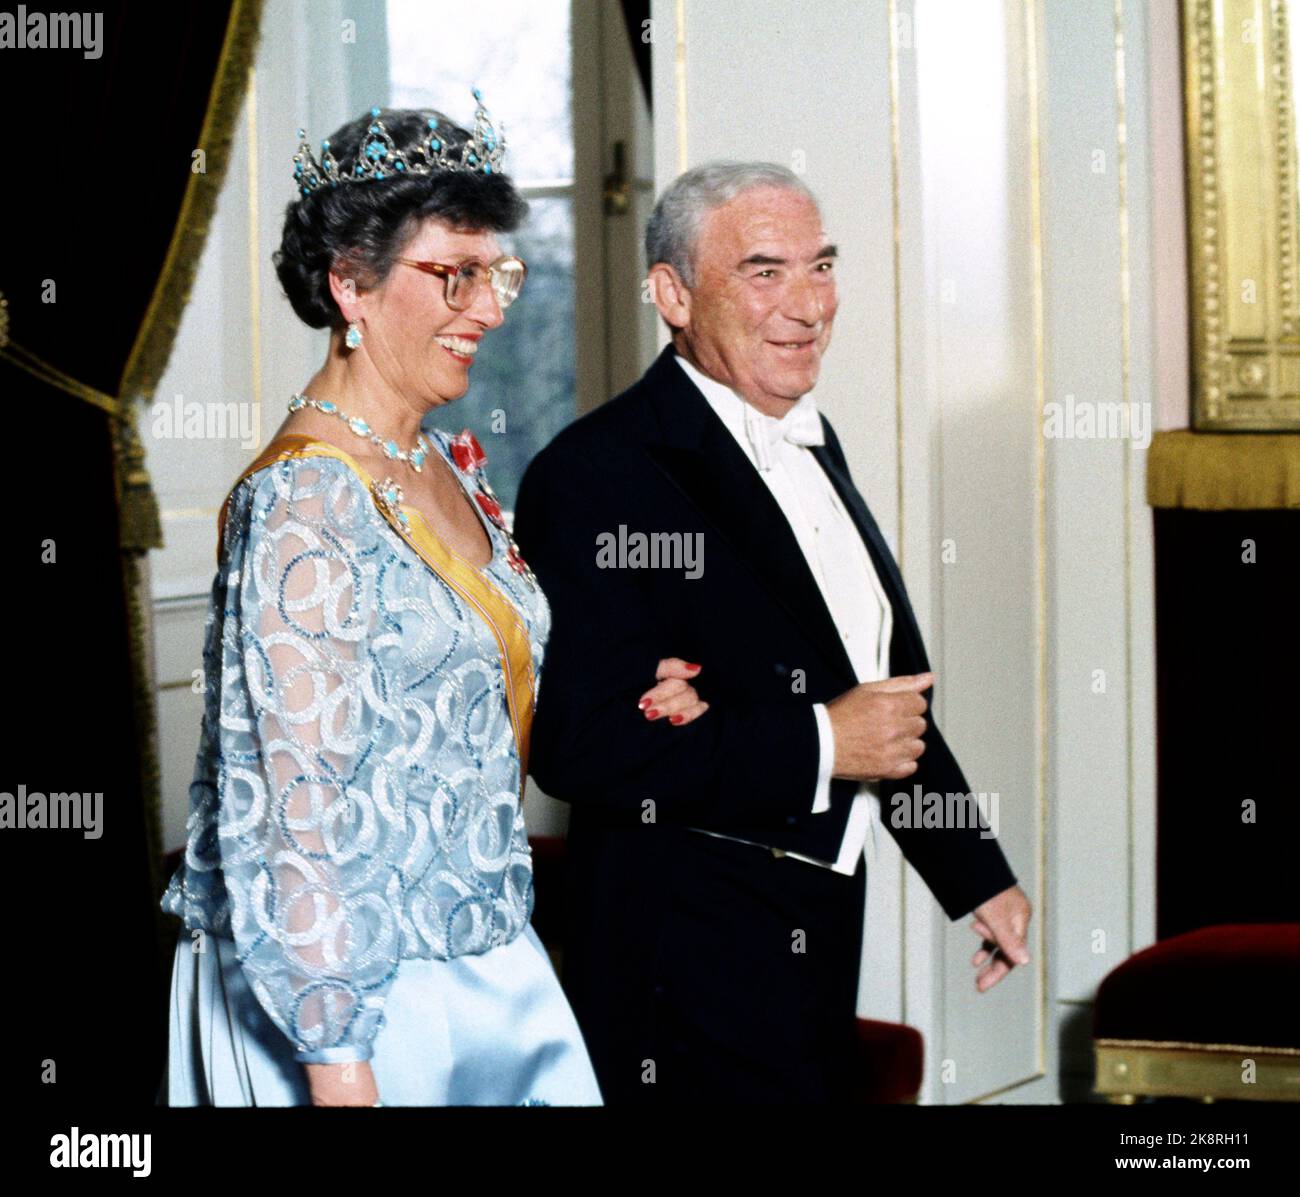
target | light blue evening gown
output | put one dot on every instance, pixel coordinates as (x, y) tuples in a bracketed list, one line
[(357, 882)]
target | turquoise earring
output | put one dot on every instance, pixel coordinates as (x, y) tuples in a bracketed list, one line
[(353, 337)]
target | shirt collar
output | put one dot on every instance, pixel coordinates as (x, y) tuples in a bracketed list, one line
[(757, 433)]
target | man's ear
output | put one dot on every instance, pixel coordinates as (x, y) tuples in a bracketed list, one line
[(672, 296)]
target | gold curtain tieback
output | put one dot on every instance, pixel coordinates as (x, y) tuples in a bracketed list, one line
[(24, 359)]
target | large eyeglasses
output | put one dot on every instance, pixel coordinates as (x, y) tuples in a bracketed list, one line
[(465, 282)]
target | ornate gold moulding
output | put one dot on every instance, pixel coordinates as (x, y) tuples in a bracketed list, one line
[(1242, 215)]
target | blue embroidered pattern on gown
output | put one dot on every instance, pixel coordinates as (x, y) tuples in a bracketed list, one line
[(356, 795)]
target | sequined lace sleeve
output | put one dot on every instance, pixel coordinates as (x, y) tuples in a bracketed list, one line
[(307, 802)]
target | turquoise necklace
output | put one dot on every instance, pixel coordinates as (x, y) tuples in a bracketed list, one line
[(414, 456)]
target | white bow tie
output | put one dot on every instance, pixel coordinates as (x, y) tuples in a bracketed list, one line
[(801, 425)]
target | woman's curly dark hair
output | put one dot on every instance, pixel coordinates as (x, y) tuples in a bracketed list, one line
[(361, 228)]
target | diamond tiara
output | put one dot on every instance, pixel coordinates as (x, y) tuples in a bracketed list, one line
[(380, 158)]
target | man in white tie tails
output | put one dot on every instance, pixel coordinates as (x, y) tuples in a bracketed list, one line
[(718, 869)]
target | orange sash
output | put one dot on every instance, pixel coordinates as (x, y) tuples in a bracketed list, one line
[(467, 580)]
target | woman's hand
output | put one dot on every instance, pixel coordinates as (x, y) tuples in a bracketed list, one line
[(674, 698), (342, 1084)]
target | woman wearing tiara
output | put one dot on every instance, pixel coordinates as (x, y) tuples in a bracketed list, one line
[(356, 892)]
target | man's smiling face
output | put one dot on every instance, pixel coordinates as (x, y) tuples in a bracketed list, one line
[(760, 313)]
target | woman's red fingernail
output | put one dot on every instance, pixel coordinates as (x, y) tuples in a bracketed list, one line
[(645, 702), (676, 718), (690, 666), (652, 714)]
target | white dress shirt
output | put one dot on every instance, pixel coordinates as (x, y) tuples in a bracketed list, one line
[(832, 546)]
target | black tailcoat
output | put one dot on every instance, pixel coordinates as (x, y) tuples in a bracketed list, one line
[(720, 970)]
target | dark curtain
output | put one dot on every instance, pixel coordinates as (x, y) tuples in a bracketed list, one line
[(103, 220), (635, 14), (1227, 655)]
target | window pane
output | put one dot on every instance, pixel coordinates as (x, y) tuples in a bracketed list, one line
[(515, 51), (522, 383)]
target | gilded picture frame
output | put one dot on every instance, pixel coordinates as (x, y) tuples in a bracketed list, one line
[(1242, 215)]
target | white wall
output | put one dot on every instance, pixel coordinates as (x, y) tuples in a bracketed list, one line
[(995, 257), (1099, 333)]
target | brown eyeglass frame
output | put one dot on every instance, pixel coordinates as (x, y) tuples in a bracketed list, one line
[(447, 273)]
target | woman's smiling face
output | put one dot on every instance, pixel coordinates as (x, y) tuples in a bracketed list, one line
[(420, 346)]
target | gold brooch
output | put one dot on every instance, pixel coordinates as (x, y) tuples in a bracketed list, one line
[(388, 497)]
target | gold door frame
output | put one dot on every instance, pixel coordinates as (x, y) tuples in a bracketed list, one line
[(1242, 215)]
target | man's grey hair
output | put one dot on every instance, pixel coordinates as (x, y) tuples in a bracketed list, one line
[(675, 223)]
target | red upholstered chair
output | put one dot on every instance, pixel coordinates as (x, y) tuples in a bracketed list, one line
[(1208, 1014), (890, 1060)]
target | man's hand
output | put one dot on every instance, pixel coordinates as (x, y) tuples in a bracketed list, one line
[(877, 728), (1003, 921)]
